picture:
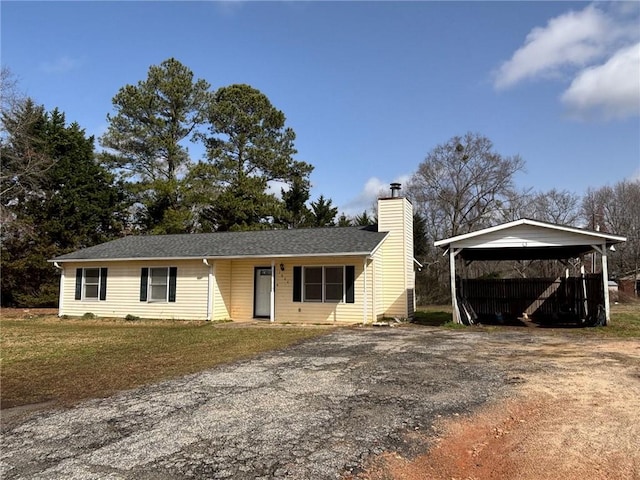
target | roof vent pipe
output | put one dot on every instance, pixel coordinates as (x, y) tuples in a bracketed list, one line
[(395, 188)]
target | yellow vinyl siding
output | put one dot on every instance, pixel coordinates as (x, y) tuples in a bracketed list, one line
[(123, 291), (221, 295), (395, 215), (286, 310), (289, 311), (230, 288), (408, 259), (242, 272)]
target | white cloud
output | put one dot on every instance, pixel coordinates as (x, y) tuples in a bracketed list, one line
[(275, 187), (373, 189), (596, 49), (60, 65), (611, 89), (228, 7), (572, 39)]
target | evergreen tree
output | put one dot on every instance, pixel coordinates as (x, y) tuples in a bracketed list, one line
[(145, 141), (243, 206), (344, 221), (420, 243), (249, 146), (363, 219), (322, 213), (295, 203), (73, 204)]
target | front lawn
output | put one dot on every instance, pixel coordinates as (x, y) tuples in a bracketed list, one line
[(50, 359)]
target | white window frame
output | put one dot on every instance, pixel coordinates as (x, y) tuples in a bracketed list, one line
[(323, 284), (84, 297), (150, 286)]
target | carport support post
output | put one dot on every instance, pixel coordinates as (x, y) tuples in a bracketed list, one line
[(602, 250), (452, 273)]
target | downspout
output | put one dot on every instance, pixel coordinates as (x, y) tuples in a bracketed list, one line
[(61, 295), (209, 287), (374, 287), (364, 312)]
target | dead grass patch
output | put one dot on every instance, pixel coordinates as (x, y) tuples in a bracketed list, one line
[(45, 359)]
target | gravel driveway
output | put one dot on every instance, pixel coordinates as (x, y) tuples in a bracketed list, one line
[(313, 411)]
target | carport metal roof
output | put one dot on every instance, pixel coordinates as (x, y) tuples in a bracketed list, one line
[(527, 239)]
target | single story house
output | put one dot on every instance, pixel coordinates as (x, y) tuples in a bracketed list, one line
[(336, 274)]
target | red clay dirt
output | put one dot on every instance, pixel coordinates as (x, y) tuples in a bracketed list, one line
[(583, 426)]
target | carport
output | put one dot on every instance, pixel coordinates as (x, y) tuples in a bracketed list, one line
[(527, 239)]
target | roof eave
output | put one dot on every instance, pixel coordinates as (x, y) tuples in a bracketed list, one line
[(213, 257), (609, 238), (377, 247)]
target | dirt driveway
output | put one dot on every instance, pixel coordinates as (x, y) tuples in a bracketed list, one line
[(403, 403)]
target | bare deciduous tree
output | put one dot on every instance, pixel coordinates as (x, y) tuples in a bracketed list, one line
[(617, 210), (462, 185), (557, 206), (23, 161), (466, 182)]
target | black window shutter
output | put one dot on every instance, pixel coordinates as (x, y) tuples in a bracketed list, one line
[(297, 284), (78, 284), (144, 281), (173, 274), (350, 278), (103, 283)]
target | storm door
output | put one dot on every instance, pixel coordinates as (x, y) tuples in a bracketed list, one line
[(262, 292)]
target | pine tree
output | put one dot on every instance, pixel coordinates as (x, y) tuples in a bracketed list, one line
[(145, 141), (322, 213), (249, 146)]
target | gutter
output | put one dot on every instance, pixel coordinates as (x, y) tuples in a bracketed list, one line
[(221, 257)]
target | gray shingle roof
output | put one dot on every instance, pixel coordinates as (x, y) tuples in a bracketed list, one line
[(262, 243)]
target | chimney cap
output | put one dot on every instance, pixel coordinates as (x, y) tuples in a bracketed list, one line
[(395, 188)]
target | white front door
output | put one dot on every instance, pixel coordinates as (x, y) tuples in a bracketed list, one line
[(262, 293)]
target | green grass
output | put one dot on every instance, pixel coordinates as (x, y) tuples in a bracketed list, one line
[(433, 315), (49, 359), (625, 321)]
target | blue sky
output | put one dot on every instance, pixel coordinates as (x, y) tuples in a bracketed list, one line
[(369, 87)]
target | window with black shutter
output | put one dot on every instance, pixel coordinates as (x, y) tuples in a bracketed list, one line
[(91, 284), (144, 280), (158, 284), (297, 284), (326, 284)]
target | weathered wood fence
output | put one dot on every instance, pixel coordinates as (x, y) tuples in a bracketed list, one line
[(538, 298)]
